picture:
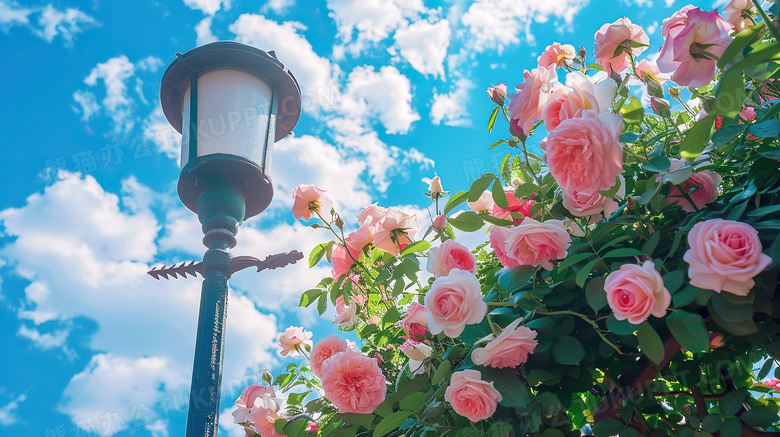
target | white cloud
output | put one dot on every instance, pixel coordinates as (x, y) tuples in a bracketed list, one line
[(204, 33), (424, 45), (150, 63), (48, 340), (114, 73), (50, 23), (8, 412), (312, 71), (669, 3), (88, 104), (651, 29), (208, 7), (278, 6), (450, 108), (496, 24), (162, 134)]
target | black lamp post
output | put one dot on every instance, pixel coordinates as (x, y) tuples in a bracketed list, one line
[(231, 102)]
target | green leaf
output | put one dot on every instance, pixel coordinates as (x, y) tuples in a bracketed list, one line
[(674, 280), (514, 392), (495, 221), (629, 137), (684, 296), (727, 133), (649, 246), (689, 330), (467, 221), (595, 294), (757, 57), (480, 185), (502, 141), (573, 259), (764, 210), (760, 416), (696, 138), (455, 200), (526, 190), (765, 129), (633, 112), (296, 398), (309, 296), (295, 428), (732, 401), (492, 119), (391, 422), (584, 272), (731, 312), (606, 428), (711, 422), (499, 197), (729, 94), (511, 279), (441, 372), (322, 303), (417, 246), (657, 164), (549, 402), (552, 432), (740, 41), (538, 375), (502, 429), (620, 327), (624, 252), (731, 427), (568, 350), (316, 254), (413, 402), (364, 420), (650, 343)]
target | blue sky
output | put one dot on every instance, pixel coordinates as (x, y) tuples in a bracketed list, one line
[(394, 91)]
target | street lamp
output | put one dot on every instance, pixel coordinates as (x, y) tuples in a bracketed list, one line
[(231, 102)]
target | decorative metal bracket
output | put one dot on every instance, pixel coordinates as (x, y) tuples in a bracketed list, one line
[(237, 263)]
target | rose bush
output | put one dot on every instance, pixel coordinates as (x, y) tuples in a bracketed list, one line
[(625, 281)]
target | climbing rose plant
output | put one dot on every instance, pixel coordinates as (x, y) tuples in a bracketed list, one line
[(627, 282)]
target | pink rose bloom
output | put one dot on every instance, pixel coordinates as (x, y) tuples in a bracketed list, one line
[(650, 68), (324, 349), (733, 12), (484, 204), (532, 95), (308, 198), (580, 93), (346, 315), (716, 341), (584, 153), (509, 349), (292, 340), (371, 214), (264, 419), (725, 256), (748, 113), (635, 292), (612, 36), (395, 231), (353, 382), (359, 239), (257, 395), (702, 187), (556, 54), (498, 237), (497, 93), (440, 222), (595, 206), (515, 205), (453, 302), (450, 255), (416, 350), (687, 35), (470, 396), (434, 186), (342, 261), (773, 383), (533, 243), (415, 323)]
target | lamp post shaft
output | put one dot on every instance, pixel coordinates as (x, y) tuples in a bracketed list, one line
[(220, 210)]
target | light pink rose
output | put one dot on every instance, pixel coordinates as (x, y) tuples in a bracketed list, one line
[(346, 315), (532, 95), (612, 36), (595, 206), (498, 237), (359, 239), (323, 350), (448, 256), (484, 204), (416, 350), (371, 214), (497, 93), (515, 205), (635, 292), (584, 153), (415, 323), (312, 427), (342, 261), (453, 302), (536, 244), (579, 94), (733, 13), (650, 68), (434, 186), (292, 340), (257, 395), (353, 382), (509, 349), (264, 419), (556, 54), (687, 35), (725, 255), (306, 199), (772, 383), (394, 231), (470, 396), (702, 186), (440, 222)]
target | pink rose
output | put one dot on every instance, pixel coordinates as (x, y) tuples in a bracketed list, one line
[(748, 113), (484, 204), (450, 255), (509, 349), (342, 261), (292, 340), (725, 256), (635, 292), (371, 214), (346, 315), (498, 237), (772, 383), (595, 206), (533, 243), (532, 95), (440, 222), (323, 350), (453, 302), (580, 93), (264, 419), (690, 37), (584, 153), (359, 239), (353, 382), (395, 231), (416, 350), (716, 341), (515, 205), (649, 68), (312, 427), (415, 323), (257, 395), (497, 93), (702, 186), (556, 54), (470, 396), (733, 12), (306, 199), (619, 34), (434, 186)]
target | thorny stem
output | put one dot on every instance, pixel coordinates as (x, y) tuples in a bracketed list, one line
[(770, 25)]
